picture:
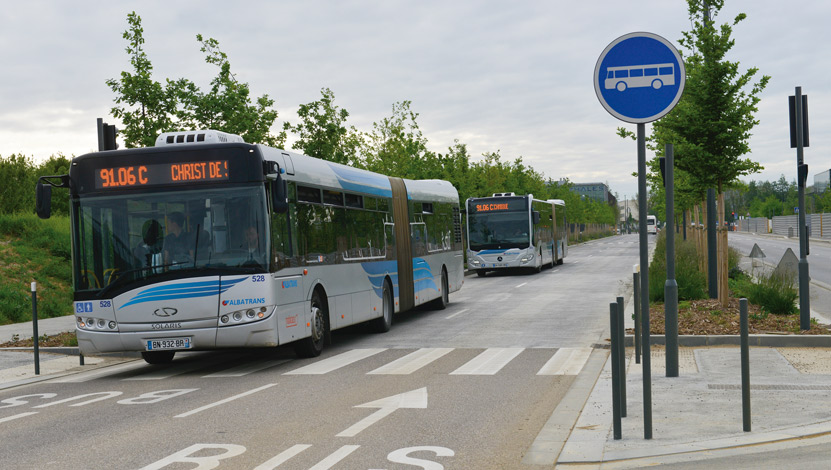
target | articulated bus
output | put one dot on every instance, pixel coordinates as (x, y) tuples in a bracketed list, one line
[(206, 242), (510, 231)]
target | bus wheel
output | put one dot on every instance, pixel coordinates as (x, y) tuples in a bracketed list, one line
[(313, 345), (158, 357), (383, 323), (444, 299), (480, 272)]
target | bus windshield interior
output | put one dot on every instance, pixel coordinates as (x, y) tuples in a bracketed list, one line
[(499, 230), (123, 239)]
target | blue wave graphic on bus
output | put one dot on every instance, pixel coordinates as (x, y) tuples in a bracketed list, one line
[(422, 276), (376, 271), (363, 182), (183, 290)]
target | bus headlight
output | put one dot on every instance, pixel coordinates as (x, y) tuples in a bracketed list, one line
[(474, 262), (249, 315), (95, 324)]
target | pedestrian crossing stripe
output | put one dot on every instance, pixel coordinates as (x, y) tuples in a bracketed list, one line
[(565, 361)]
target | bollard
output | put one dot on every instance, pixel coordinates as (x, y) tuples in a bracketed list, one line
[(745, 364), (621, 354), (35, 339), (81, 358), (637, 284), (613, 326)]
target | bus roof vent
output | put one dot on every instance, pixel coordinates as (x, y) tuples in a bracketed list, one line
[(503, 194), (196, 137)]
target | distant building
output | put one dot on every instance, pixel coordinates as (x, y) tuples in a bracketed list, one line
[(822, 181), (596, 191)]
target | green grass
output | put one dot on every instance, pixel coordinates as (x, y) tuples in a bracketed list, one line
[(37, 250)]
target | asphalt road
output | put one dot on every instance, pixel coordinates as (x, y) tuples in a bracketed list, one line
[(470, 386)]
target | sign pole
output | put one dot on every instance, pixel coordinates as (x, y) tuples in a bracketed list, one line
[(644, 252), (804, 278)]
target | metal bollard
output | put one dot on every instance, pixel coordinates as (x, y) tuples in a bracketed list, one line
[(621, 354), (637, 285), (35, 339), (613, 325), (745, 364)]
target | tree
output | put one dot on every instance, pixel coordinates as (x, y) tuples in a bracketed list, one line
[(396, 146), (148, 108), (322, 132), (227, 105), (144, 106), (710, 127)]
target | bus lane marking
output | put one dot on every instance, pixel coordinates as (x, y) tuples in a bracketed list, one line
[(336, 362), (489, 362), (566, 361), (517, 287), (282, 457), (386, 406), (411, 362), (222, 402), (335, 457)]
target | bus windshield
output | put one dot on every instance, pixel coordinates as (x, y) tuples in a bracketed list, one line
[(123, 239), (498, 230)]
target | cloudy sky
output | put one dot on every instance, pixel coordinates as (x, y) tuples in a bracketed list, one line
[(509, 76)]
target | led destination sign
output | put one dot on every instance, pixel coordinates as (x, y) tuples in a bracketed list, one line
[(162, 173), (498, 205)]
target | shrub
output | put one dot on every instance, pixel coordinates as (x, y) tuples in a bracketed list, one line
[(773, 293), (692, 284)]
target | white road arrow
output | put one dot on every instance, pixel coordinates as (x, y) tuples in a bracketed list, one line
[(413, 399)]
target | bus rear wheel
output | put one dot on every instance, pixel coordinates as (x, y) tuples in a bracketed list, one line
[(383, 323), (158, 357), (444, 298), (313, 345)]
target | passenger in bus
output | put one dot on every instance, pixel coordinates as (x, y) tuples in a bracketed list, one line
[(176, 247)]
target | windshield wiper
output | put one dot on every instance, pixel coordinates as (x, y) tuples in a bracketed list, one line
[(119, 276)]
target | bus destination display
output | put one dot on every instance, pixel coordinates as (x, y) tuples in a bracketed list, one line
[(498, 205), (162, 173)]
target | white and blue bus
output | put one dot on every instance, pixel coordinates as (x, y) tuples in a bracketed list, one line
[(509, 231), (206, 242)]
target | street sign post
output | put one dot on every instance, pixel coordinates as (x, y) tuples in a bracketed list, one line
[(639, 78)]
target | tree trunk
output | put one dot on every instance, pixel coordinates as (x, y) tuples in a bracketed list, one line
[(723, 294)]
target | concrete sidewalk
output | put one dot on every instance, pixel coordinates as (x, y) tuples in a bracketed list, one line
[(17, 365)]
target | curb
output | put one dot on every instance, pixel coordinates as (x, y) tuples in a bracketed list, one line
[(770, 341)]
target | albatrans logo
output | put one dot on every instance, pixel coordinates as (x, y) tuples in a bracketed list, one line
[(259, 300)]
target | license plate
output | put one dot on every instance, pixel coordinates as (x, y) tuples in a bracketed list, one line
[(168, 343), (499, 265)]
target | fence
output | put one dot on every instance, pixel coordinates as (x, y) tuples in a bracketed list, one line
[(581, 232), (819, 225)]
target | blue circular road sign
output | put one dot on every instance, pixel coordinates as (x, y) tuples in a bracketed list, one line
[(639, 77)]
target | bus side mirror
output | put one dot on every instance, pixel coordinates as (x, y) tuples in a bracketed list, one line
[(279, 195), (43, 206), (536, 217)]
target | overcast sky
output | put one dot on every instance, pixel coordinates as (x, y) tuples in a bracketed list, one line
[(516, 77)]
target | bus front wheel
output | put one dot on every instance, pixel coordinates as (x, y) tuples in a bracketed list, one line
[(158, 357), (313, 345)]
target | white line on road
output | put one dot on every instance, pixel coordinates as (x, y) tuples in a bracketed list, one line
[(246, 369), (489, 362), (21, 415), (411, 362), (521, 285), (457, 313), (222, 402), (336, 362)]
